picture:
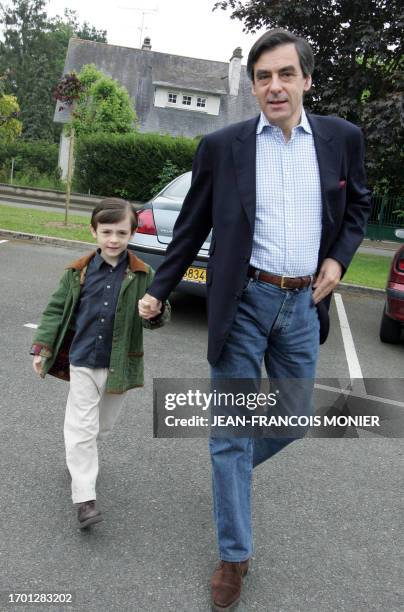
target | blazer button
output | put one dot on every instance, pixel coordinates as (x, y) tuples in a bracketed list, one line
[(111, 370)]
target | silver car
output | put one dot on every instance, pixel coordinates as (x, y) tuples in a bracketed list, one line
[(156, 221)]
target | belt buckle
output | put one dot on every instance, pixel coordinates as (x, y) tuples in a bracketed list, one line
[(282, 281)]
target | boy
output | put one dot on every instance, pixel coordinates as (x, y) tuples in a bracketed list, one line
[(90, 333)]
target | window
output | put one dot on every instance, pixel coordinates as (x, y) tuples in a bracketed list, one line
[(180, 187), (177, 98)]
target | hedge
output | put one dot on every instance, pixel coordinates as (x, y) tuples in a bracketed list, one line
[(29, 155), (128, 165)]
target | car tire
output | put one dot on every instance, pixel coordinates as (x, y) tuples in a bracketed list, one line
[(390, 330)]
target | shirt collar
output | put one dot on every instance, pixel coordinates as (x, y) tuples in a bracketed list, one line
[(304, 123), (98, 260)]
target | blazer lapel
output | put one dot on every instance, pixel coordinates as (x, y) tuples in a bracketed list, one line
[(244, 154), (328, 164)]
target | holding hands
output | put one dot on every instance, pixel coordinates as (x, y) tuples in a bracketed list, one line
[(149, 307)]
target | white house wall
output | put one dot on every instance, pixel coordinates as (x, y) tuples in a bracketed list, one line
[(212, 101)]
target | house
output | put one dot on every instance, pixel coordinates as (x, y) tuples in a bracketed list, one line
[(172, 94)]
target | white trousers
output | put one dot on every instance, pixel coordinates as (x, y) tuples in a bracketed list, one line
[(90, 414)]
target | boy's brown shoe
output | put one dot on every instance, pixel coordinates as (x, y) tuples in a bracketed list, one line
[(227, 582), (87, 514)]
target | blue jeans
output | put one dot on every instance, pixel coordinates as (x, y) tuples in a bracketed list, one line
[(281, 328)]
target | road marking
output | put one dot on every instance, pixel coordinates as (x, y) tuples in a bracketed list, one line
[(2, 241), (355, 370), (31, 325), (354, 367), (351, 393)]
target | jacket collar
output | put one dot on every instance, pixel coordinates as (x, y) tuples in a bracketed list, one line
[(321, 129), (135, 264), (303, 124), (244, 154)]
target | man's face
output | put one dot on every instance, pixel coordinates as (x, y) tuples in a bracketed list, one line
[(113, 238), (279, 85)]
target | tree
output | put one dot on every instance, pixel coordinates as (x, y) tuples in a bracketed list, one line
[(102, 105), (25, 25), (10, 126), (68, 92), (71, 24), (360, 64), (97, 105), (34, 50)]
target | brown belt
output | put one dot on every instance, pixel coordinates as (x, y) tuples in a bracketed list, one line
[(285, 282)]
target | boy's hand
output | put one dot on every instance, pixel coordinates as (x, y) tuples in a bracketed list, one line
[(149, 307), (36, 364)]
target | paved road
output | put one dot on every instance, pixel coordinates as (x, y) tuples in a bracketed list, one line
[(327, 513)]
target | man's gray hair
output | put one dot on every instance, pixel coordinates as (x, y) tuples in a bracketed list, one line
[(275, 38)]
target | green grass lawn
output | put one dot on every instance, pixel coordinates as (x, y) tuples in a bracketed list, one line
[(45, 223), (369, 270)]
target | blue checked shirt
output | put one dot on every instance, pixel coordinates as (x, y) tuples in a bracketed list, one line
[(287, 228)]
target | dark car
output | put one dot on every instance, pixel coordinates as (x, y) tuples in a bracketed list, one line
[(156, 221), (393, 314)]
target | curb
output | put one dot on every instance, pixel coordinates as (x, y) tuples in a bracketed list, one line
[(77, 243), (53, 197), (360, 289), (389, 245), (45, 239)]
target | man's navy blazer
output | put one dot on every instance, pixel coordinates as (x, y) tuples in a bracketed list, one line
[(222, 197)]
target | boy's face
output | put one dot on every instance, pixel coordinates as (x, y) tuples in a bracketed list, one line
[(113, 238)]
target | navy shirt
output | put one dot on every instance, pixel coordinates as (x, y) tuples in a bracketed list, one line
[(95, 314)]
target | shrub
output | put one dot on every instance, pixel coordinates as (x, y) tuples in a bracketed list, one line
[(167, 174), (129, 165), (31, 156)]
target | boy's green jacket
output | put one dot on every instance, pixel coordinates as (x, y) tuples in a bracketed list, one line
[(56, 329)]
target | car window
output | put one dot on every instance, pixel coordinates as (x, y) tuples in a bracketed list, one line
[(179, 188)]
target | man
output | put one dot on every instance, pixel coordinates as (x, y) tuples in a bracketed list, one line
[(285, 195)]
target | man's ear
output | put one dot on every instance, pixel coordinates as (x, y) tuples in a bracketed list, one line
[(253, 89), (93, 232), (307, 83)]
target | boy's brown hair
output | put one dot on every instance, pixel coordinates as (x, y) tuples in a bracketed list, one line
[(113, 210)]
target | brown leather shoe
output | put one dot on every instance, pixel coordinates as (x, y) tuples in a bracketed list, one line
[(227, 582), (87, 514)]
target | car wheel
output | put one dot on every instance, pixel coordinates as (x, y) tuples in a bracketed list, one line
[(390, 330)]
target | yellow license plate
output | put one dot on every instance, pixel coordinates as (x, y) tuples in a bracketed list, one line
[(195, 275)]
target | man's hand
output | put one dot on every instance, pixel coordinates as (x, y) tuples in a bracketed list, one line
[(149, 307), (36, 364), (327, 279)]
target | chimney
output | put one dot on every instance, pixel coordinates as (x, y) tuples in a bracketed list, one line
[(235, 71), (147, 44)]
